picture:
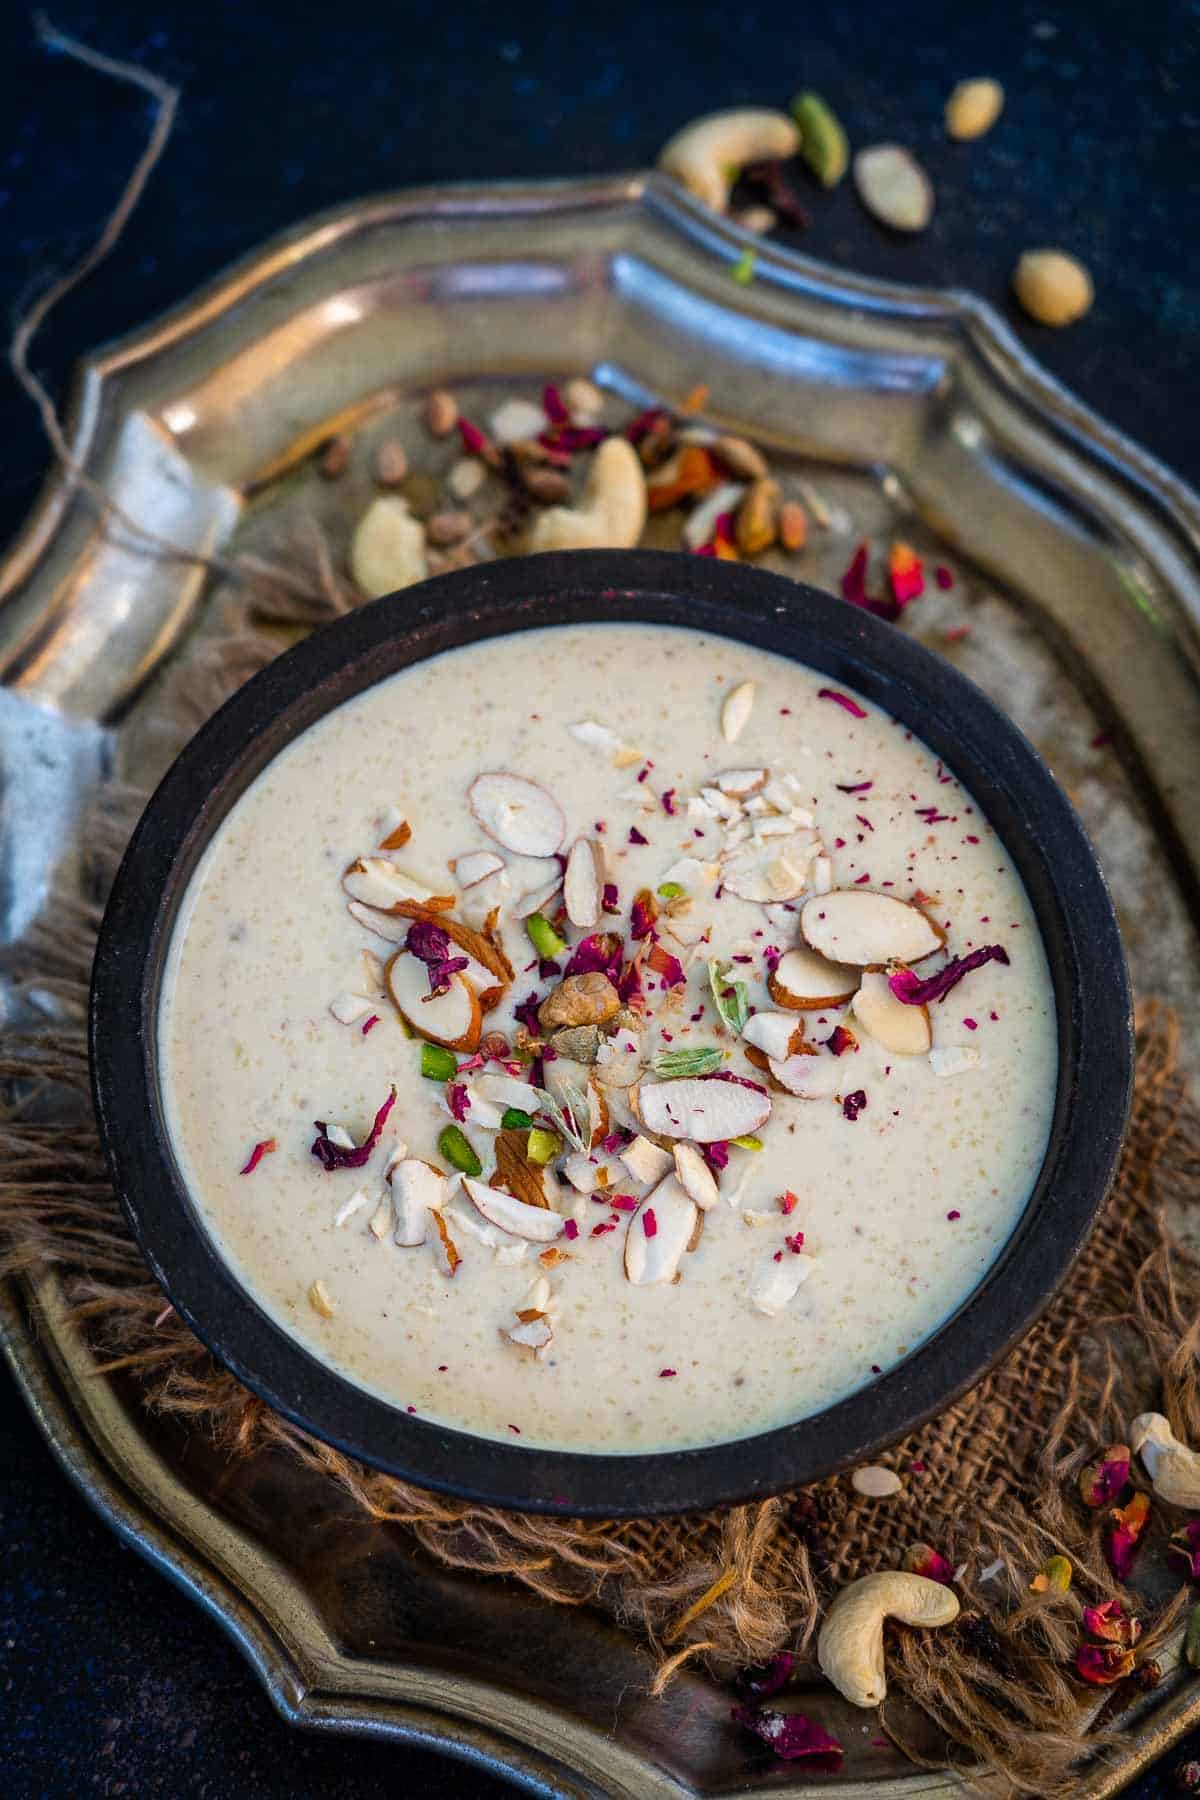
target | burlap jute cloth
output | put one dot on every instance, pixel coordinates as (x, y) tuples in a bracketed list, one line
[(994, 1490)]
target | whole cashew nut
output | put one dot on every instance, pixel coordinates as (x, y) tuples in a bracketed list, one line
[(1172, 1467), (707, 155), (611, 510), (850, 1646)]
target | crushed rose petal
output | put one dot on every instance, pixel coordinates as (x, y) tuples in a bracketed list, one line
[(458, 1099), (1104, 1480), (649, 1222), (669, 967), (637, 837), (665, 1374), (370, 1024), (264, 1147), (795, 1243), (570, 1230), (1111, 1624), (333, 1156), (789, 1735), (597, 954), (788, 1201), (610, 899), (1103, 1664), (906, 573), (431, 945), (942, 576), (717, 1154), (1127, 1523), (909, 987), (840, 1040), (766, 1679), (923, 1559), (854, 1103), (1183, 1552), (851, 706)]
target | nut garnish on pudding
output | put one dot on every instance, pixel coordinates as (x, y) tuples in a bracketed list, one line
[(690, 1021)]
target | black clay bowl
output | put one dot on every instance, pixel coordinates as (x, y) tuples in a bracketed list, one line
[(1009, 780)]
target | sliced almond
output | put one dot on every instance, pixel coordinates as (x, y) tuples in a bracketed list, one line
[(735, 714), (708, 1112), (701, 522), (822, 874), (377, 881), (537, 899), (518, 814), (808, 1077), (532, 1331), (448, 1258), (594, 735), (524, 1179), (771, 1033), (582, 1173), (512, 1215), (804, 982), (779, 1282), (347, 1009), (597, 1112), (386, 925), (646, 1162), (320, 1300), (770, 872), (454, 1019), (858, 925), (954, 1059), (742, 782), (893, 1024), (695, 1177), (505, 1090), (358, 1199), (656, 1257), (581, 885), (483, 945), (476, 866), (418, 1189)]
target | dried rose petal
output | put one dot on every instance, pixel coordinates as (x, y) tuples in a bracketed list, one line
[(554, 406), (570, 1229), (914, 991), (717, 1154), (526, 1013), (629, 987), (263, 1148), (642, 915), (906, 573), (740, 1080), (854, 1103), (649, 1222), (1126, 1527), (923, 1559), (1183, 1552), (854, 588), (644, 422), (851, 706), (1110, 1623), (667, 966), (458, 1099), (431, 945), (788, 1201), (598, 954), (768, 1678), (637, 837), (789, 1735), (370, 1024), (610, 899), (474, 441), (1103, 1664), (1103, 1481), (333, 1156), (840, 1040)]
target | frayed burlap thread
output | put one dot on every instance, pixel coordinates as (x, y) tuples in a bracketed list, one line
[(991, 1483)]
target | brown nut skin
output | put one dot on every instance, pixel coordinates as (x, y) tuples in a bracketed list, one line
[(579, 1000), (757, 523), (334, 458), (578, 1043), (445, 528), (793, 526), (441, 413), (391, 463)]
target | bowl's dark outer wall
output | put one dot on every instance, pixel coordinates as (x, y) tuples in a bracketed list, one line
[(100, 1690), (1008, 780)]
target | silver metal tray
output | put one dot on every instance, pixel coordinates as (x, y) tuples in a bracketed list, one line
[(1077, 569)]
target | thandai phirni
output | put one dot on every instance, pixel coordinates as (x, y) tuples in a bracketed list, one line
[(610, 1037)]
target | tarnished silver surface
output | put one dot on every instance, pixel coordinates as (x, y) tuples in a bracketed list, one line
[(1077, 560)]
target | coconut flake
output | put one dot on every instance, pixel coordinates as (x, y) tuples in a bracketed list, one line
[(512, 1215), (658, 1234), (771, 1032), (695, 1177), (594, 735), (707, 1110), (476, 866)]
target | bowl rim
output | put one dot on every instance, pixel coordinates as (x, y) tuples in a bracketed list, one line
[(1008, 780)]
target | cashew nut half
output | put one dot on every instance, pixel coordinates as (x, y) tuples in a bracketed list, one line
[(611, 510), (850, 1647), (1172, 1467), (708, 155), (387, 550)]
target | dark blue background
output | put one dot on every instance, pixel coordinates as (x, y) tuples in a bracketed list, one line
[(109, 1683)]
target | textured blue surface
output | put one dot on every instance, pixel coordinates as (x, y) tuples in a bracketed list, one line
[(108, 1683)]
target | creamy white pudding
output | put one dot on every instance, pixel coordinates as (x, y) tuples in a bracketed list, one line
[(783, 921)]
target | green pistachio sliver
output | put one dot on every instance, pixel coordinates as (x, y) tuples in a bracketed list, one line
[(747, 1142), (729, 998), (742, 270), (438, 1064), (542, 1146), (822, 141), (1191, 1642), (515, 1120), (671, 890), (457, 1151), (673, 1065), (544, 938)]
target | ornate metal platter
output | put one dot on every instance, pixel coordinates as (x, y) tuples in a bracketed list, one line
[(1077, 570)]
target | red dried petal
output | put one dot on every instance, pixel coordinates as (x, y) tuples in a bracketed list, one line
[(570, 1230), (1103, 1664), (649, 1222), (909, 987), (1104, 1481), (923, 1559), (333, 1156), (790, 1735), (668, 966), (1111, 1624), (264, 1147), (788, 1201), (768, 1678), (458, 1099), (554, 406), (1121, 1541), (839, 699), (840, 1040), (854, 1103), (906, 573), (370, 1024)]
